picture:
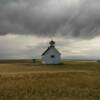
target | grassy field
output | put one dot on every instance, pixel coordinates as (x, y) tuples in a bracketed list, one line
[(72, 80)]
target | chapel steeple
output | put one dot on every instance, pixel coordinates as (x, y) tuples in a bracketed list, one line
[(52, 43)]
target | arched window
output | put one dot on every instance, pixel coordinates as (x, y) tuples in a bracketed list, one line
[(52, 56)]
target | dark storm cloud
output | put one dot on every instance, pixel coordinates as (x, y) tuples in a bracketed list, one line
[(76, 18)]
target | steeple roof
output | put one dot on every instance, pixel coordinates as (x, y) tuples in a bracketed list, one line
[(51, 46)]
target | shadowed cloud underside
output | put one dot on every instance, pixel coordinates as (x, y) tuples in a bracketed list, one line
[(71, 18)]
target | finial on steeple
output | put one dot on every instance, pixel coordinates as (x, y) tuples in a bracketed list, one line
[(52, 43)]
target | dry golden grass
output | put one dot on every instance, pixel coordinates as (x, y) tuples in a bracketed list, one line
[(50, 86), (70, 81)]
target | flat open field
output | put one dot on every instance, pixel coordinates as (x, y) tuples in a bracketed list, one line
[(73, 80)]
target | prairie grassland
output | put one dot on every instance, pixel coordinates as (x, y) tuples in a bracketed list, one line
[(69, 81)]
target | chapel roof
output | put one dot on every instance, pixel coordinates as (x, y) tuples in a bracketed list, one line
[(52, 45), (49, 49)]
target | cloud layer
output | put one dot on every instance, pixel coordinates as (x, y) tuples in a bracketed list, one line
[(24, 47), (71, 18)]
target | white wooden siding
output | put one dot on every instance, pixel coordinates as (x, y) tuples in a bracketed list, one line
[(47, 59)]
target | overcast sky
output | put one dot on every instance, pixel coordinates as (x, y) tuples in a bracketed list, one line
[(26, 27)]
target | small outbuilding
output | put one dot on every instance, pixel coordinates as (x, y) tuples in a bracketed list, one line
[(51, 55)]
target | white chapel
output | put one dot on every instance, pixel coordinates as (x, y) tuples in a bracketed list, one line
[(51, 55)]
